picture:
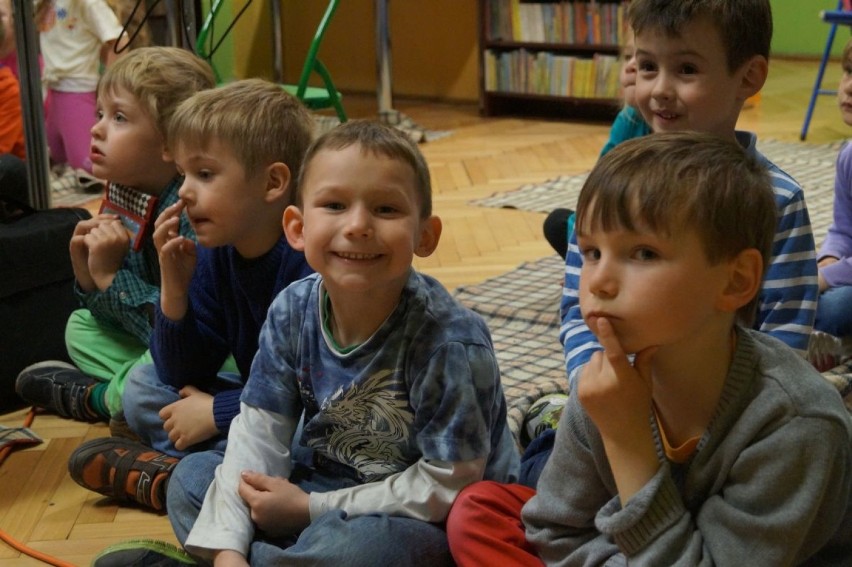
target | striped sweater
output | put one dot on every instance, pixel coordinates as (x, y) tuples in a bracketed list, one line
[(787, 300)]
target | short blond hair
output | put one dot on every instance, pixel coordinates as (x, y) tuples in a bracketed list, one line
[(257, 119), (160, 78)]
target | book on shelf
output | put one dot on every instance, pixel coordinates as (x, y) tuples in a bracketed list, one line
[(591, 22)]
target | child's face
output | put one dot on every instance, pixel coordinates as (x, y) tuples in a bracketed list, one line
[(126, 146), (656, 290), (844, 92), (224, 206), (8, 45), (360, 224), (628, 68), (683, 83)]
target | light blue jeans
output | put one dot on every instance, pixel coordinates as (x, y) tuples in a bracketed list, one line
[(834, 311), (333, 539), (145, 395)]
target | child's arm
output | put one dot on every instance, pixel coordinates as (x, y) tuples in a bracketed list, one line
[(790, 288), (617, 396), (836, 251), (578, 342), (109, 280), (259, 440)]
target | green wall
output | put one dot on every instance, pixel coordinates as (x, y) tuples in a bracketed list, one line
[(800, 32)]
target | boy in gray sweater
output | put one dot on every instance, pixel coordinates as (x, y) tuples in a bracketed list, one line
[(691, 439)]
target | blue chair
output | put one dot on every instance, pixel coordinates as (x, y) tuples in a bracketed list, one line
[(842, 16)]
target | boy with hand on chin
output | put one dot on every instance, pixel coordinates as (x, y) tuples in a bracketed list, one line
[(700, 450), (698, 61), (239, 148), (397, 383)]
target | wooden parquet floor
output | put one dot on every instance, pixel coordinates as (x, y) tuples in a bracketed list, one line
[(42, 507)]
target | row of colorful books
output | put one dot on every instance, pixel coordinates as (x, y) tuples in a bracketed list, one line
[(545, 73), (595, 22)]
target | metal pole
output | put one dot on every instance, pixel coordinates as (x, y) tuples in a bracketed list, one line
[(180, 19), (383, 57), (277, 40), (32, 108)]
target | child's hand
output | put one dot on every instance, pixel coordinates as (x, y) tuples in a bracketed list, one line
[(80, 255), (189, 420), (278, 507), (98, 248), (108, 245), (229, 558), (617, 397), (827, 261), (177, 262), (616, 394)]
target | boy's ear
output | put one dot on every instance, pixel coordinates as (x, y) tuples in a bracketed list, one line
[(277, 181), (294, 227), (430, 234), (754, 76), (744, 280)]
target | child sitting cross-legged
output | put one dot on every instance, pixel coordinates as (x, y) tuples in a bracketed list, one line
[(691, 439), (396, 383), (240, 148)]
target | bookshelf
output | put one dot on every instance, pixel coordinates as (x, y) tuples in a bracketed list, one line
[(556, 58)]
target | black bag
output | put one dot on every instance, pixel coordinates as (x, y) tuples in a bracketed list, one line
[(36, 292)]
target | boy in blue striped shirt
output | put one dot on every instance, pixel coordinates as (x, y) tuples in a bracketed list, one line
[(697, 63)]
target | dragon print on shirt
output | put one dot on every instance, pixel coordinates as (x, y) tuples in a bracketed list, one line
[(366, 426)]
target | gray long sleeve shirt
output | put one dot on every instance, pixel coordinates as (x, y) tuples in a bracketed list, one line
[(770, 482)]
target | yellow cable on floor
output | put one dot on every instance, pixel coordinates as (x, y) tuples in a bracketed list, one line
[(4, 452)]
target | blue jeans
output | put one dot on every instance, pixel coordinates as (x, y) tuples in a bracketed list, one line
[(834, 311), (145, 395), (331, 539)]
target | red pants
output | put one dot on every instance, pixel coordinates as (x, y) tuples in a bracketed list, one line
[(484, 526)]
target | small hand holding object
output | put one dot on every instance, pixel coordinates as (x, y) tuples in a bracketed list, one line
[(617, 397), (189, 420), (98, 248), (177, 262), (278, 507)]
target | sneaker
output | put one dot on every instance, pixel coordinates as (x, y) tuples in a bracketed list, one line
[(142, 553), (118, 427), (543, 414), (59, 387), (124, 470), (824, 351)]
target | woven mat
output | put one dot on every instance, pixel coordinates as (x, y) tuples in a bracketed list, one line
[(812, 165), (521, 308), (394, 118), (71, 187)]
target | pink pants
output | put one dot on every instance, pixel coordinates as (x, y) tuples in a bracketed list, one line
[(69, 121), (484, 526)]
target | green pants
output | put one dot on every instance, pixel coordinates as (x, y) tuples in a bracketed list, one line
[(108, 354)]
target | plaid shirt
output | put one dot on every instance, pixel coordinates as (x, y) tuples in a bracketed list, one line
[(129, 302)]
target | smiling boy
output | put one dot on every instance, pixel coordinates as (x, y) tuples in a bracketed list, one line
[(396, 383)]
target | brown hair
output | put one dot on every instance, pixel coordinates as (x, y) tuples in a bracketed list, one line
[(670, 182), (257, 119), (378, 139), (745, 26), (160, 78)]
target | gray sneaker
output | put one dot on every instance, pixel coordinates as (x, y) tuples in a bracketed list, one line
[(59, 387)]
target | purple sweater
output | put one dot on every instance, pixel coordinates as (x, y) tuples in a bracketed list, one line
[(838, 241)]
